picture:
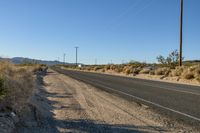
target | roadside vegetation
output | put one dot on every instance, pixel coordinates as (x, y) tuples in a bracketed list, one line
[(166, 68), (17, 82)]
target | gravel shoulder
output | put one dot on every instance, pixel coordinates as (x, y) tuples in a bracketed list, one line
[(62, 104)]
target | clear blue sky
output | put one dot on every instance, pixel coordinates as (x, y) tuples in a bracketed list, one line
[(103, 29)]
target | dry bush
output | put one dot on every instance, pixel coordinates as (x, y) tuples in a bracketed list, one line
[(87, 68), (2, 88), (112, 67), (107, 67), (191, 72), (96, 68), (145, 71), (162, 71), (118, 69), (17, 84), (103, 70), (136, 70), (178, 71), (128, 70), (198, 78), (187, 75), (152, 72), (197, 71), (186, 72)]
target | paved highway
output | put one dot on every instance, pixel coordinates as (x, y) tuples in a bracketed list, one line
[(181, 102)]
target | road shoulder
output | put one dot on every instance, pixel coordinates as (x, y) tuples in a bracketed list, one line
[(63, 104)]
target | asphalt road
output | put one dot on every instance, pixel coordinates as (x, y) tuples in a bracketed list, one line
[(181, 102)]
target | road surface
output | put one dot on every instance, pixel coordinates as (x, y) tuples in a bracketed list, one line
[(181, 102)]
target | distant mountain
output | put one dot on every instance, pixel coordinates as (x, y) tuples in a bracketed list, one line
[(20, 60)]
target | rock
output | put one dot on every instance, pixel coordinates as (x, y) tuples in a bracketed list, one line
[(7, 123), (14, 117)]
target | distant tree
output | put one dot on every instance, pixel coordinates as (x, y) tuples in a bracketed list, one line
[(171, 60), (134, 62), (161, 59)]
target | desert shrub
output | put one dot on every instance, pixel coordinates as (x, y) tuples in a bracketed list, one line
[(96, 68), (196, 70), (88, 68), (152, 72), (16, 85), (136, 64), (187, 75), (197, 73), (145, 71), (128, 70), (2, 88), (103, 70), (137, 70), (112, 67), (107, 67), (118, 69), (162, 71), (177, 71), (170, 61), (198, 78)]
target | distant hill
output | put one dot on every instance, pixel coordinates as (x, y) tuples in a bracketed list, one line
[(192, 61), (20, 60)]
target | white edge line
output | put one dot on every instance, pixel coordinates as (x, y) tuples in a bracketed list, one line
[(176, 90), (155, 104), (182, 91)]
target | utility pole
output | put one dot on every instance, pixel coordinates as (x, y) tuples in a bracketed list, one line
[(64, 55), (76, 55), (95, 61), (181, 35), (58, 59)]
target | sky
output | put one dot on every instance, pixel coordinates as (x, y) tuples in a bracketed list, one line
[(108, 31)]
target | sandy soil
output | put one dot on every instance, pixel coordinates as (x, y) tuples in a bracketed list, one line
[(63, 104)]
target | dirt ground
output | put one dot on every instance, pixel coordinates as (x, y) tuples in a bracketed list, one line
[(62, 104)]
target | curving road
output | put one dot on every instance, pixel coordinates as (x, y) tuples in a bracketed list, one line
[(181, 102)]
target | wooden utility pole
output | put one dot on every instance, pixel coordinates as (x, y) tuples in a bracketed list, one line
[(76, 55), (181, 35)]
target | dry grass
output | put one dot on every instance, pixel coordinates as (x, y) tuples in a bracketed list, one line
[(16, 84)]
